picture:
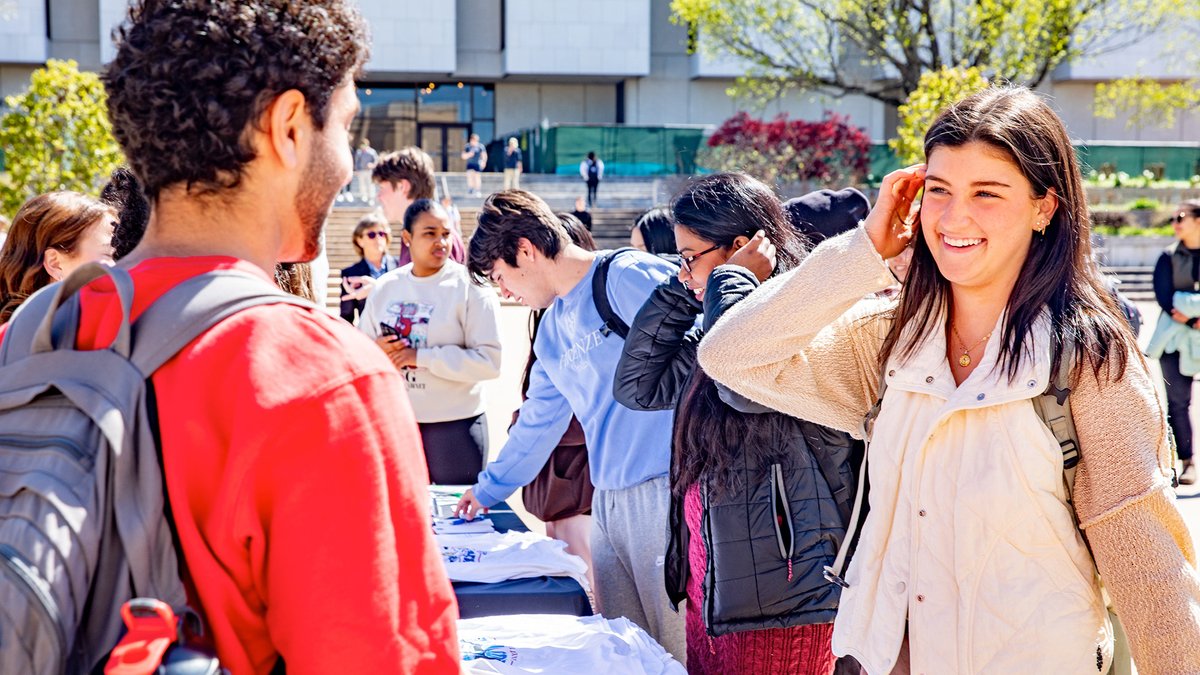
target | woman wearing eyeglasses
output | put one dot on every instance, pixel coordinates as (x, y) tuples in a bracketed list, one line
[(1176, 340), (372, 236), (759, 498)]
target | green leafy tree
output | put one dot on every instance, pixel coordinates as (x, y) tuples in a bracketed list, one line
[(880, 48), (935, 90), (1146, 101), (56, 136)]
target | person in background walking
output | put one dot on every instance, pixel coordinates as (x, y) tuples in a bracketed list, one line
[(1177, 290), (476, 157), (592, 171), (364, 158), (513, 165)]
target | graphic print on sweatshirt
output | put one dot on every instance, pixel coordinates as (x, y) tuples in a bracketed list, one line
[(410, 321), (484, 648), (463, 554)]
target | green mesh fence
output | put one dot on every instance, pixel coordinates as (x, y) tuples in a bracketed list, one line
[(625, 150), (663, 150)]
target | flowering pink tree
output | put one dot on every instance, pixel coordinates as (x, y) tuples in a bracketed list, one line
[(826, 152)]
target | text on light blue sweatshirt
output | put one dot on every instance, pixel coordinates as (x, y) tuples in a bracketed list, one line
[(574, 372)]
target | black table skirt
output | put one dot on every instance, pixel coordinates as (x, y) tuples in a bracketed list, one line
[(538, 595)]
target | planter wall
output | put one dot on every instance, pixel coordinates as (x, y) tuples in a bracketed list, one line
[(1116, 251)]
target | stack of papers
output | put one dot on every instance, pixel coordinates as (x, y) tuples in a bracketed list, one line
[(553, 643)]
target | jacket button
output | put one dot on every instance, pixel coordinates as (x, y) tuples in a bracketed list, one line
[(980, 397), (921, 513), (929, 380), (901, 587), (891, 373), (920, 598), (1033, 383)]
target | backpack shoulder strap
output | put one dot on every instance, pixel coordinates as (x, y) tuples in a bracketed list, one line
[(835, 572), (613, 323), (1054, 407), (192, 307)]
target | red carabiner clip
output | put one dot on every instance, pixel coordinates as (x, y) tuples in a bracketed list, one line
[(152, 630)]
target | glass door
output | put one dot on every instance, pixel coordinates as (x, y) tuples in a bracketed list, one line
[(444, 143)]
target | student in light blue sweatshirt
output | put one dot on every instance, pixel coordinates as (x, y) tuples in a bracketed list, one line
[(521, 246)]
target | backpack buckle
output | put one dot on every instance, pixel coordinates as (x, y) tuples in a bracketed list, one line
[(832, 577), (151, 629), (1070, 453)]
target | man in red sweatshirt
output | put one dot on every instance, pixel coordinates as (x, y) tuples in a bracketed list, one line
[(293, 464)]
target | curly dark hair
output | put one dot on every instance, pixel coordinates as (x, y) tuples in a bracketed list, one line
[(190, 77), (123, 192)]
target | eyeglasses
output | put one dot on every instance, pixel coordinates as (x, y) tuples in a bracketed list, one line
[(376, 233), (688, 260)]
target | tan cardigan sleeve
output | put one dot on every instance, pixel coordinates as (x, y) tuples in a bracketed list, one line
[(807, 343), (1126, 507)]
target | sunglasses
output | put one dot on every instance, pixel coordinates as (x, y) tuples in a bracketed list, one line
[(1178, 217), (376, 233), (687, 261)]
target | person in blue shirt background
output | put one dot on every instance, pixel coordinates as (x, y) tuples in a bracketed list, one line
[(521, 246)]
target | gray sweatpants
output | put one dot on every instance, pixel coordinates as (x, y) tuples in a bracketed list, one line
[(629, 545)]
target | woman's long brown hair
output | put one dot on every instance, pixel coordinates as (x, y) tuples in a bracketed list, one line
[(1059, 272), (53, 220)]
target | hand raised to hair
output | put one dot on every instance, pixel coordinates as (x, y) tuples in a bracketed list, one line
[(893, 221), (758, 256)]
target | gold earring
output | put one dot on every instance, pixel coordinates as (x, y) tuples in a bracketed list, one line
[(1042, 226)]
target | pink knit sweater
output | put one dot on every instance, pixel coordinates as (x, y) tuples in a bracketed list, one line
[(803, 650)]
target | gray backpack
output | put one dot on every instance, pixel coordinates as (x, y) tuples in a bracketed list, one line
[(83, 518)]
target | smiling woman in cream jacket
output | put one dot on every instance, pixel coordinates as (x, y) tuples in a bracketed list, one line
[(970, 560)]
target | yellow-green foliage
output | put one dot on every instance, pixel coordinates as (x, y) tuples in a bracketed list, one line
[(936, 90), (880, 48), (56, 136), (1146, 101)]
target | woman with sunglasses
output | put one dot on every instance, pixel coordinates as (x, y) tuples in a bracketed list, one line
[(372, 236), (972, 556), (759, 498), (1177, 290)]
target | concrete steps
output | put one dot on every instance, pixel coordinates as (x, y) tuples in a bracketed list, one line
[(1137, 283), (610, 229)]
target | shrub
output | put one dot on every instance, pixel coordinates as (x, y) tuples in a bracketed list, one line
[(829, 151), (1144, 204), (1109, 219), (56, 136), (936, 90)]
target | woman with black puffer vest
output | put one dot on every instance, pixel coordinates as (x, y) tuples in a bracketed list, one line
[(760, 499)]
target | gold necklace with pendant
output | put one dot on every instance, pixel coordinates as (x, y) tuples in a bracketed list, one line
[(965, 359)]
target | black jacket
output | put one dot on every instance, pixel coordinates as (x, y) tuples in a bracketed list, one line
[(353, 308), (769, 538)]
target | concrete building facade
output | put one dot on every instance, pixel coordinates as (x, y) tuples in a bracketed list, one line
[(441, 70)]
